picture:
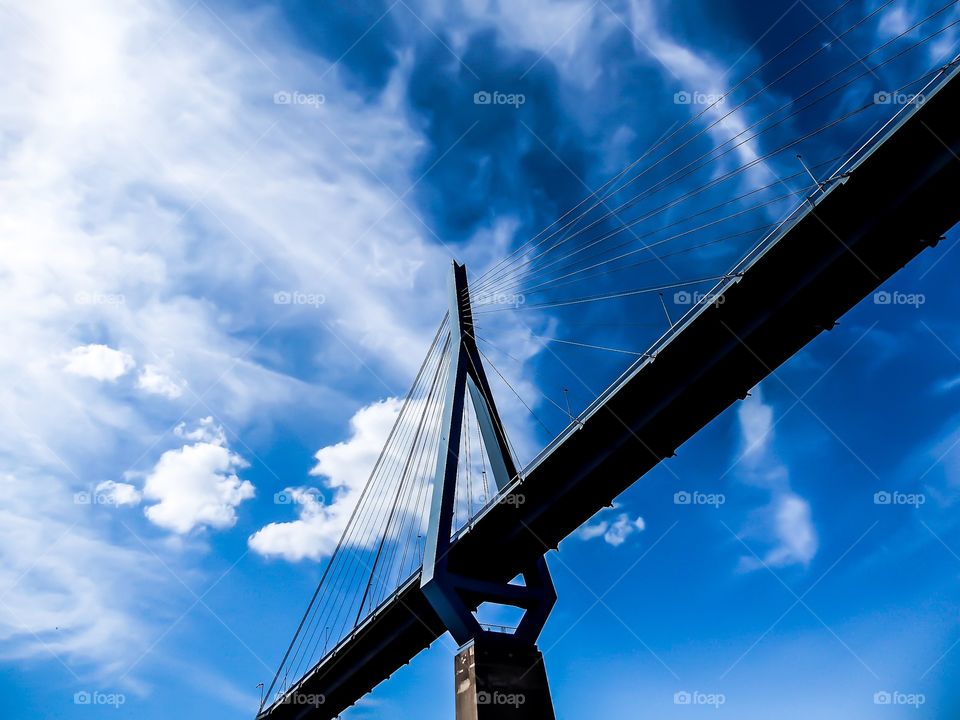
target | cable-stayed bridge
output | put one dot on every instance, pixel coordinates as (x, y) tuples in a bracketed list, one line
[(449, 518)]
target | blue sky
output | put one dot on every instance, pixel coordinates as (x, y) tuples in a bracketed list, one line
[(227, 229)]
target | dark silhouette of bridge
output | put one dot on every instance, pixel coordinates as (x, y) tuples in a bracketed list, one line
[(893, 198)]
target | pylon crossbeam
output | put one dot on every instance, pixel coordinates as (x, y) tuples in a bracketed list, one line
[(455, 595)]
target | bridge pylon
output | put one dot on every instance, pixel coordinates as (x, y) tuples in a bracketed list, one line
[(498, 675)]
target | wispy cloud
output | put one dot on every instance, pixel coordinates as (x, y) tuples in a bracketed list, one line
[(345, 468), (156, 199), (98, 362), (785, 525), (614, 531), (196, 485)]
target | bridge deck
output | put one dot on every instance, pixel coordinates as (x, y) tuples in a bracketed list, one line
[(897, 199)]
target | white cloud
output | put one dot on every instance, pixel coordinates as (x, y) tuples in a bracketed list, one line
[(312, 535), (152, 177), (946, 385), (197, 485), (68, 592), (793, 527), (614, 532), (207, 431), (99, 362), (132, 199), (756, 426), (154, 380), (347, 464), (345, 467), (786, 524), (895, 21), (622, 528), (591, 531), (698, 73), (129, 174), (117, 493)]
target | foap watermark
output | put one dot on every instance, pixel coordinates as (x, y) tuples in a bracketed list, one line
[(696, 697), (513, 700), (495, 97), (305, 496), (95, 497), (299, 297), (85, 297), (685, 297), (695, 97), (506, 299), (895, 697), (896, 97), (895, 297), (98, 697), (515, 499), (308, 699), (894, 497), (684, 497), (294, 97)]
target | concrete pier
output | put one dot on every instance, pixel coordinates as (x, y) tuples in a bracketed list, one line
[(499, 678)]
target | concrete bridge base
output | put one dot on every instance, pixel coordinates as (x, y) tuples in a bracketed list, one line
[(501, 678)]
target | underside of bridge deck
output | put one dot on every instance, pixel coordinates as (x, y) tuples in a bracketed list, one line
[(897, 201)]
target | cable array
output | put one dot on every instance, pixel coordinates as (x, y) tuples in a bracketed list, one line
[(651, 243), (382, 544), (595, 288)]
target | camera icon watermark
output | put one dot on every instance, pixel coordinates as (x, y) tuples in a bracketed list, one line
[(85, 297), (298, 297), (514, 700), (695, 697), (294, 97), (108, 493), (495, 97), (894, 97), (894, 497), (895, 697), (685, 297), (684, 497), (513, 300), (695, 97), (298, 496), (885, 297), (97, 697)]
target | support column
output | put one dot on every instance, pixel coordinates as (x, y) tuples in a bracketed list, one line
[(501, 678)]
